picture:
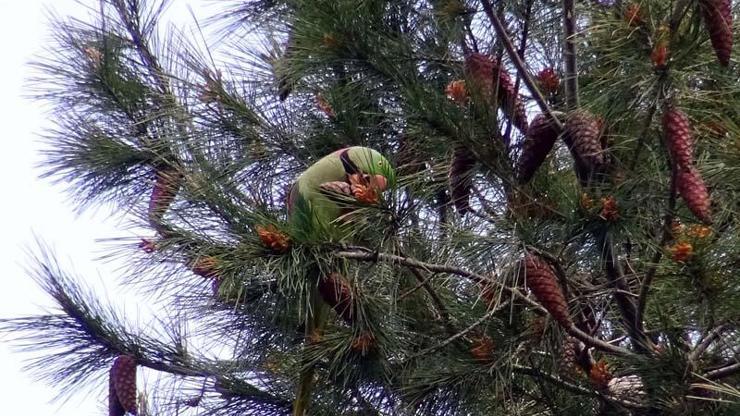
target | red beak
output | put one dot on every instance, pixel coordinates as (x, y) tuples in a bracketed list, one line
[(380, 182)]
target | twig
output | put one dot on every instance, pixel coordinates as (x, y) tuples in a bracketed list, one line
[(573, 387), (723, 372), (615, 274), (364, 254), (569, 54), (520, 53), (519, 64), (460, 334), (707, 341)]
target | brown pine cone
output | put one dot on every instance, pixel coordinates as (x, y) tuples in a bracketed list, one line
[(479, 69), (336, 187), (461, 178), (482, 349), (717, 16), (538, 142), (582, 138), (167, 183), (569, 358), (679, 140), (337, 293), (541, 280), (486, 74), (122, 386), (509, 100), (692, 189)]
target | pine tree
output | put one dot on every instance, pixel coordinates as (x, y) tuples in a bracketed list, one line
[(403, 305)]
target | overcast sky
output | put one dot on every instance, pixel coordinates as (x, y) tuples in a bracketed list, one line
[(31, 206)]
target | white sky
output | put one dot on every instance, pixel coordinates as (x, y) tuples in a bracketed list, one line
[(31, 206)]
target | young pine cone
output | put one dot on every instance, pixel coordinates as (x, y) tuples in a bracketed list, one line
[(541, 280), (337, 293), (582, 131), (538, 142), (692, 189), (679, 141), (717, 16), (166, 185), (122, 386), (461, 180)]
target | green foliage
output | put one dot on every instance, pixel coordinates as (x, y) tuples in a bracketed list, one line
[(442, 320)]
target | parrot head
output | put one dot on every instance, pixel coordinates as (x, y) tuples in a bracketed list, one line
[(373, 167)]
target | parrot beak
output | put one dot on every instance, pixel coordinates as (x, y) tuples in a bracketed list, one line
[(380, 182)]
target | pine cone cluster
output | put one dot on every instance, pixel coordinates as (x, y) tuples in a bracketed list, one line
[(548, 81), (206, 266), (689, 182), (543, 283), (457, 92), (166, 184), (488, 74), (539, 140), (717, 16), (461, 178), (337, 293), (600, 375), (569, 358), (122, 386), (363, 343), (273, 238), (582, 136)]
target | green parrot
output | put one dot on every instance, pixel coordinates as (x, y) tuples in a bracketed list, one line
[(311, 208), (355, 172)]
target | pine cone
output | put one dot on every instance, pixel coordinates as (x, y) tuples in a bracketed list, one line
[(548, 81), (718, 18), (206, 266), (582, 138), (569, 358), (479, 69), (692, 189), (337, 293), (486, 74), (627, 387), (600, 374), (509, 100), (336, 187), (542, 282), (538, 142), (482, 349), (461, 180), (122, 386), (166, 185), (273, 238), (679, 140)]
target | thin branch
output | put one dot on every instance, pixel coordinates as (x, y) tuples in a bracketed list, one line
[(627, 307), (569, 54), (707, 341), (462, 333), (573, 387), (364, 254), (519, 64), (723, 372)]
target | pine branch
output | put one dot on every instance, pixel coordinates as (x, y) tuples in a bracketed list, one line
[(722, 372), (519, 64), (361, 253), (706, 341)]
